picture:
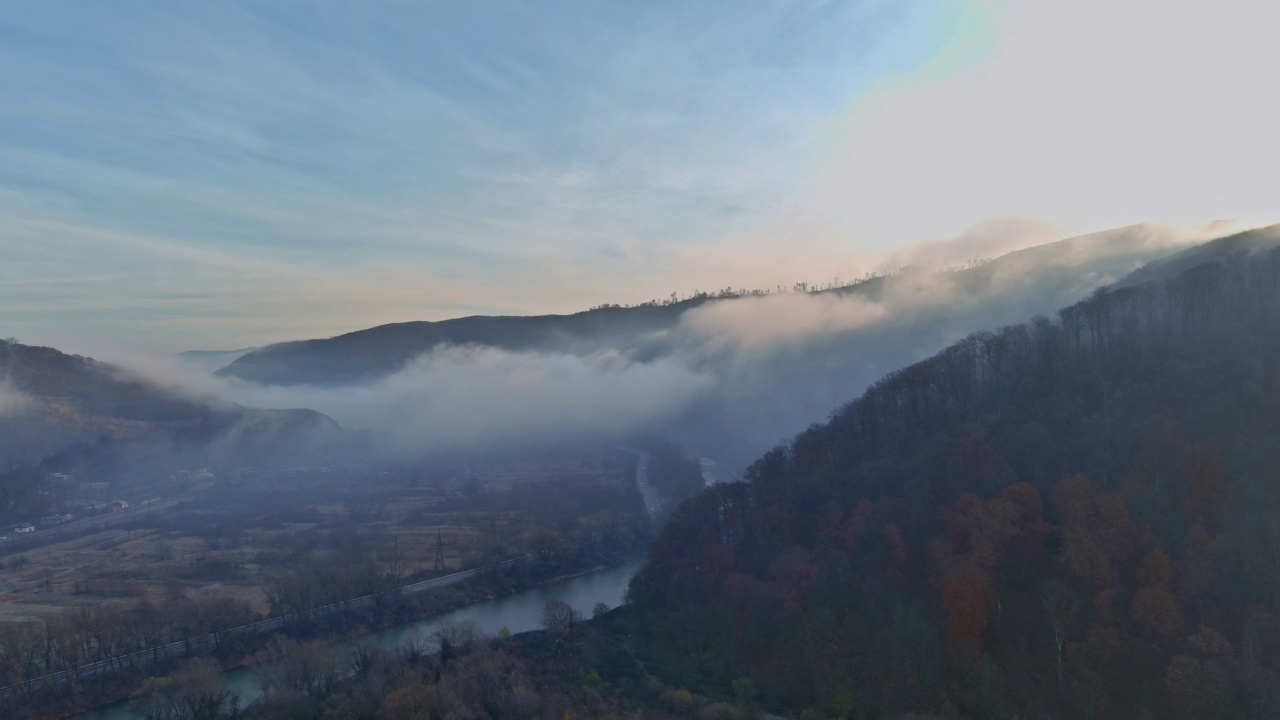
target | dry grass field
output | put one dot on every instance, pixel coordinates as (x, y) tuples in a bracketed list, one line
[(238, 534)]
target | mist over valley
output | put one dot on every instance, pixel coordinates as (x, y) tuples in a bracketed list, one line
[(847, 359), (729, 374)]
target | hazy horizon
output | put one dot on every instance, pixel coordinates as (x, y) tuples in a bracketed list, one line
[(231, 175), (885, 358)]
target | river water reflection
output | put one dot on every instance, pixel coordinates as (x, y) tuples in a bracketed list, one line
[(519, 612)]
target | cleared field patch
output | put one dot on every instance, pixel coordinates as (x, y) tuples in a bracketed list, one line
[(239, 536)]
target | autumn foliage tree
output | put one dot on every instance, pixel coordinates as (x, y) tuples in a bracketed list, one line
[(1015, 525)]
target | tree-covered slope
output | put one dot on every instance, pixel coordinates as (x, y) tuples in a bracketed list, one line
[(369, 354), (728, 373), (1072, 517), (1052, 273), (54, 402)]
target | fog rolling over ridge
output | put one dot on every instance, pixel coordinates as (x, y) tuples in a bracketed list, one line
[(106, 422), (727, 376)]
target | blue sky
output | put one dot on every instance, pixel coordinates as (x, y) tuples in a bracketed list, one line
[(180, 175)]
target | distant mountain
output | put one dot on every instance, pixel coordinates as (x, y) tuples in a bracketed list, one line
[(54, 402), (211, 360), (1233, 247), (1045, 276), (380, 351), (767, 366)]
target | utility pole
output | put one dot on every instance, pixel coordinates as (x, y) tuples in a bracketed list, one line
[(396, 569), (439, 550)]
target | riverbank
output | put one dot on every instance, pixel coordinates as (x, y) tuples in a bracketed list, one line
[(85, 694), (554, 664)]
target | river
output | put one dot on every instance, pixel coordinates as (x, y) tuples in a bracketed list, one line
[(519, 612)]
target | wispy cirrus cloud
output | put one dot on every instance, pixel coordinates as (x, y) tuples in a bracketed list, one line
[(298, 171), (484, 146)]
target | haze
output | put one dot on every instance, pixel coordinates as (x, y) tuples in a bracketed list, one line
[(847, 358)]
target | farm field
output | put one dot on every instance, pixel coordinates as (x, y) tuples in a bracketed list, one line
[(242, 535)]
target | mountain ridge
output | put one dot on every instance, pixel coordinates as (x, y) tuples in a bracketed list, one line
[(375, 352), (60, 401), (1066, 517), (1237, 245)]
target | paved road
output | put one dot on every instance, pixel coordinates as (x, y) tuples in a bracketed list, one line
[(652, 500), (181, 647), (91, 523)]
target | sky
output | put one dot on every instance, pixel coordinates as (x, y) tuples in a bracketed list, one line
[(218, 175)]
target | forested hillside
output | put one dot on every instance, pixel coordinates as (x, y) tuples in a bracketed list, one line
[(73, 414), (728, 372), (1074, 517), (1050, 273)]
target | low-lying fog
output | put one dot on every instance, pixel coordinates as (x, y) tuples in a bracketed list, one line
[(730, 379)]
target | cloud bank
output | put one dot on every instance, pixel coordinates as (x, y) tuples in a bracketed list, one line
[(728, 377), (758, 325)]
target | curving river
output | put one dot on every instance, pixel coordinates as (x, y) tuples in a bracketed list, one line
[(519, 612)]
